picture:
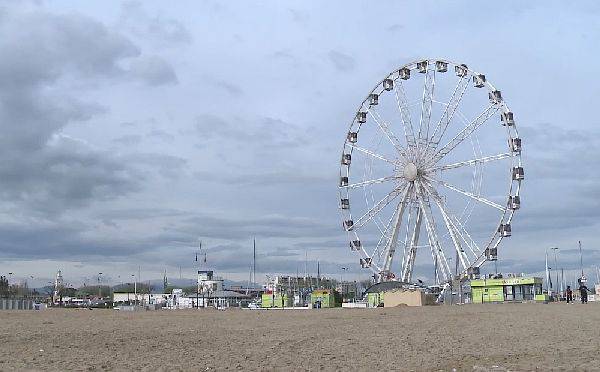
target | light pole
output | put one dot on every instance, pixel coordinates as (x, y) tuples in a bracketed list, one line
[(99, 288), (556, 269), (134, 287), (9, 280), (342, 282)]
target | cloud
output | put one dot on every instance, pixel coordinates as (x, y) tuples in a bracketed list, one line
[(161, 135), (45, 170), (128, 139), (226, 86), (153, 71), (261, 132), (168, 166), (158, 28), (342, 62)]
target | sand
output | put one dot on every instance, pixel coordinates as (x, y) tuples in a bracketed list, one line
[(469, 337)]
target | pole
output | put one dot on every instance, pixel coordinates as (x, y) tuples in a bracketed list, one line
[(134, 288), (198, 277), (99, 291), (581, 258), (556, 269), (254, 264), (318, 275)]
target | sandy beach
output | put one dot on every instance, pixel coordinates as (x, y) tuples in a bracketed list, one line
[(469, 337)]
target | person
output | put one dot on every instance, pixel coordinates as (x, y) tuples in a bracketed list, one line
[(569, 294), (583, 291)]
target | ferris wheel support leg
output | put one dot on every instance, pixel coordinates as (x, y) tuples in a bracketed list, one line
[(460, 253), (440, 296), (436, 250), (391, 247), (412, 252)]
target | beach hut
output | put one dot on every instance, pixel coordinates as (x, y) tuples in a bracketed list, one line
[(324, 298), (512, 288)]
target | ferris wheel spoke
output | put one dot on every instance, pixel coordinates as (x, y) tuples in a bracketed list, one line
[(393, 241), (370, 182), (411, 254), (465, 132), (436, 250), (481, 160), (380, 205), (426, 102), (448, 114), (470, 195), (371, 153), (465, 236), (452, 229), (387, 131), (384, 237), (406, 242), (409, 132)]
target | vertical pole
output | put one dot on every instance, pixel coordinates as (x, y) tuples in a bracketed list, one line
[(318, 275), (99, 292), (254, 263), (556, 265), (581, 258)]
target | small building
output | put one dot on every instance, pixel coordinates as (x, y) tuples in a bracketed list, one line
[(324, 298), (408, 297), (276, 300), (512, 288)]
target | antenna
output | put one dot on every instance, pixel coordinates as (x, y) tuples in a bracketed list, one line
[(254, 264)]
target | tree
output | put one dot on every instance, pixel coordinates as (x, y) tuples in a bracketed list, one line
[(4, 288)]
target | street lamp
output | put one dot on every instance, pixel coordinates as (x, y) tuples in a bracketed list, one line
[(9, 280), (556, 268), (342, 282), (99, 288), (134, 287)]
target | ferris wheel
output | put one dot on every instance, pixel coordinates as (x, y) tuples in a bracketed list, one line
[(430, 172)]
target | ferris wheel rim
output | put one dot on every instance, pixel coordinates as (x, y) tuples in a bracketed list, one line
[(513, 190)]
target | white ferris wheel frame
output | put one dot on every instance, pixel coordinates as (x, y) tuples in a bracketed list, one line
[(416, 188)]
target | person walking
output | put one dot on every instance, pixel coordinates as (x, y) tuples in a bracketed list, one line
[(569, 294), (583, 292)]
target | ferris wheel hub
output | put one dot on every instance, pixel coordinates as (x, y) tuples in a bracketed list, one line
[(410, 172)]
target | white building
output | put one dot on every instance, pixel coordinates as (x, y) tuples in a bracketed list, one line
[(140, 298)]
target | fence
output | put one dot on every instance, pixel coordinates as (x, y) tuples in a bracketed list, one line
[(17, 304)]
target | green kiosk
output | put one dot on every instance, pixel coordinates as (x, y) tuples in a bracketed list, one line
[(506, 289)]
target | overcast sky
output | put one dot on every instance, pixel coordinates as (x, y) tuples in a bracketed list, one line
[(131, 130)]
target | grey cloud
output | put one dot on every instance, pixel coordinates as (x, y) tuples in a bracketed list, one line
[(225, 86), (299, 16), (129, 139), (342, 62), (262, 132), (269, 226), (167, 165), (284, 177), (45, 171), (395, 27), (163, 31), (161, 135), (43, 46), (153, 71)]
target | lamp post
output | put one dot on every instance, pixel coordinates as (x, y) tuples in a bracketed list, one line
[(556, 269), (9, 280), (342, 281), (99, 288), (134, 287)]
